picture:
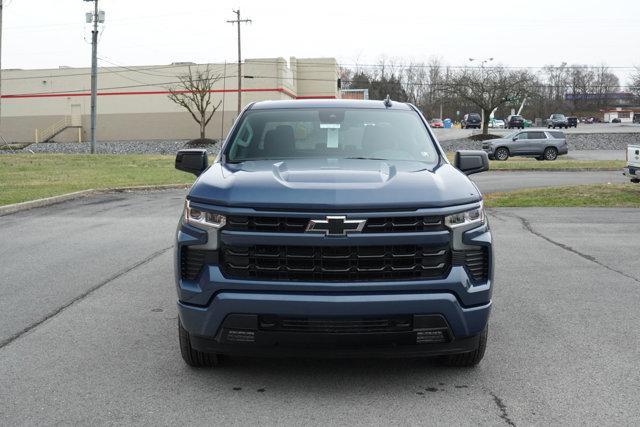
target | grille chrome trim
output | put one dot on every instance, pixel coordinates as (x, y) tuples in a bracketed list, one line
[(284, 224)]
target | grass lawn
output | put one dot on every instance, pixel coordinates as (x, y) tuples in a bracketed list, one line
[(596, 195), (32, 176), (561, 164)]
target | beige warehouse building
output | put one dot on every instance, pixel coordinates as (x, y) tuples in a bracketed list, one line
[(133, 103)]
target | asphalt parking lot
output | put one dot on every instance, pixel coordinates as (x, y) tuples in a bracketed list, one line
[(88, 330)]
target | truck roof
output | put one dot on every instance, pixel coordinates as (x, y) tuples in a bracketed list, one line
[(328, 103)]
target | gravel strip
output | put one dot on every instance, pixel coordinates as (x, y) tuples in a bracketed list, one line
[(576, 141), (116, 147)]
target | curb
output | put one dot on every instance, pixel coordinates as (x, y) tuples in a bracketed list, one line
[(54, 200)]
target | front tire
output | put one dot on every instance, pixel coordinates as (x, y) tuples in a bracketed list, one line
[(550, 153), (472, 358), (191, 356), (501, 154)]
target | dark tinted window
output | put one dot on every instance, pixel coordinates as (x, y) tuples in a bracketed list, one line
[(474, 116), (331, 133), (537, 135)]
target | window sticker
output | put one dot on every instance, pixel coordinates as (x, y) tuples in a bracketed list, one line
[(332, 137)]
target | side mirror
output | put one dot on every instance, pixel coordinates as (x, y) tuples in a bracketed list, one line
[(192, 161), (471, 161), (515, 138)]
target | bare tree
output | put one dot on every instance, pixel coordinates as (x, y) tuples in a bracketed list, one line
[(634, 85), (491, 87), (194, 93)]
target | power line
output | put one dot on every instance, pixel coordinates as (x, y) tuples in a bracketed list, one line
[(143, 68)]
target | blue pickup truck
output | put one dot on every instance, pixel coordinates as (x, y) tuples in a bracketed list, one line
[(333, 228)]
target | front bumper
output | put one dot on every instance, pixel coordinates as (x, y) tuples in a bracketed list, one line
[(242, 334), (207, 303)]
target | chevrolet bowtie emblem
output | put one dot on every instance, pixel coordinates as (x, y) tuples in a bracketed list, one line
[(336, 226)]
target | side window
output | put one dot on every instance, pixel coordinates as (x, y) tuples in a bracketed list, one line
[(537, 135), (521, 136)]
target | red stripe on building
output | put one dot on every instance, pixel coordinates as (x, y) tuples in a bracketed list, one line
[(160, 92)]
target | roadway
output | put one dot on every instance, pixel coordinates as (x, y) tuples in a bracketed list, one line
[(88, 329)]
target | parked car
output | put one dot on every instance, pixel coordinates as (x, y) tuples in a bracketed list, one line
[(543, 145), (632, 169), (515, 121), (282, 248), (616, 120), (436, 123), (636, 117), (572, 122), (557, 121), (496, 123), (471, 121)]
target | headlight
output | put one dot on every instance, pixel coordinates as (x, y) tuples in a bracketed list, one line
[(473, 216), (197, 217)]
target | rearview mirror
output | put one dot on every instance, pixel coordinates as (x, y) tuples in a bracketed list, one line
[(471, 161), (192, 161)]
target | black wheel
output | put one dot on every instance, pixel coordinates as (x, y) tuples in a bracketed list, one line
[(191, 356), (539, 158), (635, 180), (471, 358), (550, 153), (548, 127), (501, 154)]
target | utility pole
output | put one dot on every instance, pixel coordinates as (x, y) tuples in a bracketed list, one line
[(94, 75), (239, 21), (96, 17), (1, 6)]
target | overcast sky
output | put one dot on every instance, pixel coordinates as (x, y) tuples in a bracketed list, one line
[(50, 33)]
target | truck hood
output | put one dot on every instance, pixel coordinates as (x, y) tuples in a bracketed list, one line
[(333, 184)]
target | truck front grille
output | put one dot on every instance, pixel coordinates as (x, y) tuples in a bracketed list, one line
[(335, 263), (273, 224)]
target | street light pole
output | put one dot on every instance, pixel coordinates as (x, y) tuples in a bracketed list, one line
[(482, 62)]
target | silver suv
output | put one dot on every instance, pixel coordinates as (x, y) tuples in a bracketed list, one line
[(541, 144)]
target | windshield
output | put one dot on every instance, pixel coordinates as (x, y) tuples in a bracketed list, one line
[(558, 116), (332, 133)]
